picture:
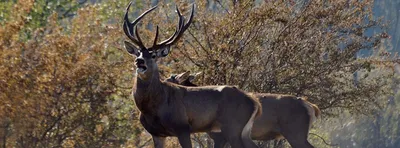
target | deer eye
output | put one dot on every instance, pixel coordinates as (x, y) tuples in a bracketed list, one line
[(153, 55), (173, 76)]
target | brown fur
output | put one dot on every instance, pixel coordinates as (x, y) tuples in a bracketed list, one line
[(317, 111), (314, 106), (257, 105)]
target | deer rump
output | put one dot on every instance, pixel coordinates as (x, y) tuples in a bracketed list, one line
[(283, 116)]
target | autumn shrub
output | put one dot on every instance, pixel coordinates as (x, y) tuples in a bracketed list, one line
[(66, 84)]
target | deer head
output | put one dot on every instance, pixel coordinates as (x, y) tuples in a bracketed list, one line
[(185, 78), (146, 57)]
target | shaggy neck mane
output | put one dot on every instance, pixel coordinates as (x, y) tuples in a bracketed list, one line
[(147, 93)]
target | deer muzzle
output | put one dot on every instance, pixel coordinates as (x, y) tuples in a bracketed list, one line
[(141, 65)]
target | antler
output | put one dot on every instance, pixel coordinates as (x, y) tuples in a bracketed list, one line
[(130, 28), (178, 31), (131, 31)]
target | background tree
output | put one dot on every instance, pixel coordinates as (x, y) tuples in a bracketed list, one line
[(59, 84), (308, 49)]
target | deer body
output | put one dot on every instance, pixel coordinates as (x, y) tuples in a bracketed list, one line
[(200, 108), (283, 116), (169, 109)]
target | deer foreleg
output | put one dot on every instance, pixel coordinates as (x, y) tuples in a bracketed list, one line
[(159, 142), (184, 140), (219, 140)]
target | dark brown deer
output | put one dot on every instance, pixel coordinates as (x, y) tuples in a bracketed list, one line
[(283, 116), (169, 109)]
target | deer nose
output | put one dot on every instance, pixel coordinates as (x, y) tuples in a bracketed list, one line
[(139, 61)]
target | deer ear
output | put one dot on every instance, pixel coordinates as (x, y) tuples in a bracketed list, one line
[(193, 77), (132, 49), (164, 52), (183, 76)]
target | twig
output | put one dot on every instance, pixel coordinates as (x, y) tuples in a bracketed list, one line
[(323, 140), (198, 42), (222, 6)]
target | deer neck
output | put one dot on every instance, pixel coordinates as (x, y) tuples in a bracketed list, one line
[(148, 91)]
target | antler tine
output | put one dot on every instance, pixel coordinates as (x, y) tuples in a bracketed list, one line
[(162, 44), (183, 29), (138, 37), (178, 31), (156, 37), (130, 28)]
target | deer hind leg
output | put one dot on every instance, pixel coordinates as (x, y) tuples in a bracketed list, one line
[(219, 140), (235, 140), (296, 133), (233, 137), (231, 130), (237, 118), (184, 140), (246, 133), (184, 136), (299, 143), (236, 129)]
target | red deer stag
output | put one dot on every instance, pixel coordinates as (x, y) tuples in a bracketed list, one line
[(168, 109), (283, 115)]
